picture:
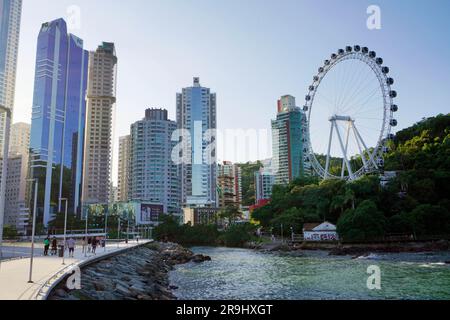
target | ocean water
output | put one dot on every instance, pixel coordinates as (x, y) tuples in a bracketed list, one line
[(248, 274)]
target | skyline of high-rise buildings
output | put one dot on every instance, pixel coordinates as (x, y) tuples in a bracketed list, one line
[(101, 101), (72, 131), (197, 116), (57, 126)]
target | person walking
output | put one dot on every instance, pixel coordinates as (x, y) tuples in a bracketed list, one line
[(71, 245), (94, 245), (83, 245), (89, 242), (54, 246), (46, 246)]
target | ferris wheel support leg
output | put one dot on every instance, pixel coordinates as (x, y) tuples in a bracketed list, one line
[(327, 165), (346, 148), (371, 159), (350, 172), (366, 167)]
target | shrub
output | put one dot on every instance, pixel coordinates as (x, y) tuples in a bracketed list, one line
[(237, 235), (364, 223)]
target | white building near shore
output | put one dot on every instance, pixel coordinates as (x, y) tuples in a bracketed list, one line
[(325, 231)]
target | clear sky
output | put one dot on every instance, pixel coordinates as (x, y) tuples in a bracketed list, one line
[(250, 52)]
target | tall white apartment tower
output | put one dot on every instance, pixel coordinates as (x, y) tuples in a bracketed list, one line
[(16, 209), (19, 138), (124, 168), (10, 14), (154, 176), (196, 115), (101, 101)]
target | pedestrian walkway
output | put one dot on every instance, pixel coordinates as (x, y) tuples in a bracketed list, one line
[(14, 273)]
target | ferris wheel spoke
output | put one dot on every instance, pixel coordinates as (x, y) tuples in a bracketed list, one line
[(355, 81), (327, 99), (367, 111), (343, 92), (355, 91), (342, 83), (371, 93), (356, 97), (370, 129), (363, 103), (368, 117), (361, 86)]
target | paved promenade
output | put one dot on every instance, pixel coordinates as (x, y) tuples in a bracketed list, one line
[(14, 273)]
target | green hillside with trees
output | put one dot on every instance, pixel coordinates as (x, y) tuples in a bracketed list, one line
[(415, 202)]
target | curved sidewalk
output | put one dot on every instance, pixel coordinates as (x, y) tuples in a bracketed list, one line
[(46, 270)]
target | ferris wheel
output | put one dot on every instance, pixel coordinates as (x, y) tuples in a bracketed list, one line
[(349, 115)]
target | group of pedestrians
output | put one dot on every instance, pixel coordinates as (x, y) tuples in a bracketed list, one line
[(54, 246), (89, 245)]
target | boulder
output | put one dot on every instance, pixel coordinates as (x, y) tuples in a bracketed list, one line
[(200, 258), (122, 290), (99, 286)]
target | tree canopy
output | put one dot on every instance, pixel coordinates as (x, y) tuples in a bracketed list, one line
[(416, 201)]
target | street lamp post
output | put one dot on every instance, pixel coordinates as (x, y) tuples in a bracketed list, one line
[(106, 227), (65, 229), (4, 173), (128, 230), (36, 181), (86, 231), (118, 231)]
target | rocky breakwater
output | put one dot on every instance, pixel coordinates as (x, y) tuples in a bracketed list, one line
[(138, 274)]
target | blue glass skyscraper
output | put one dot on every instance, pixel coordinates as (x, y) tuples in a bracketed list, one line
[(58, 119), (196, 114)]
